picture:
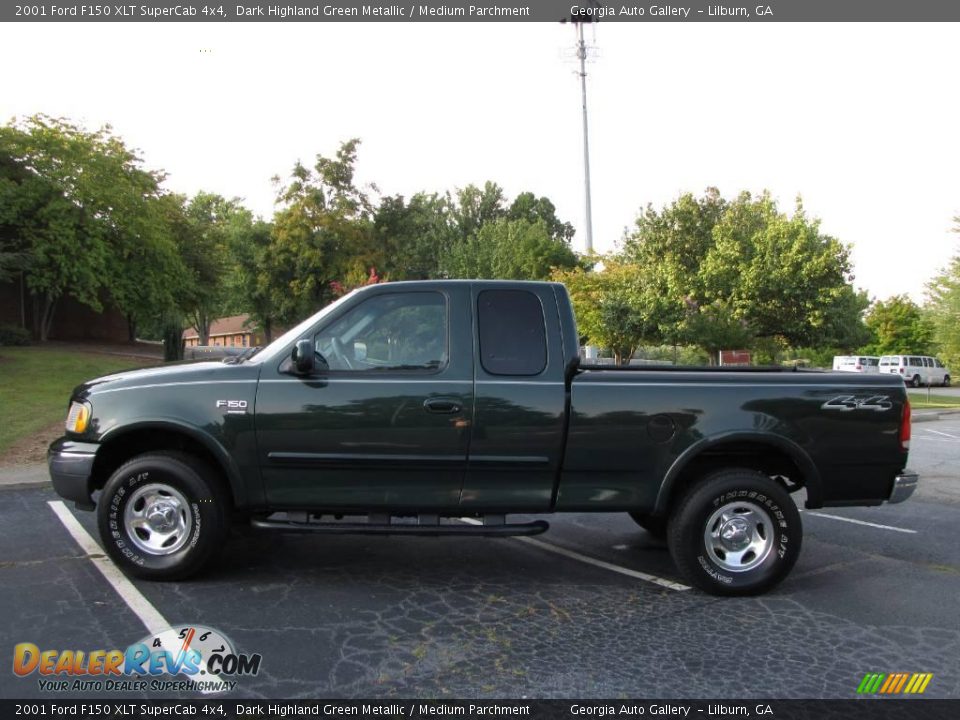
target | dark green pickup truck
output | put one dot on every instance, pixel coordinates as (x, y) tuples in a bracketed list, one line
[(403, 407)]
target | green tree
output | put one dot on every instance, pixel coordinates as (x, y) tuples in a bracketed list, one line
[(412, 238), (78, 203), (899, 326), (714, 328), (527, 206), (509, 249), (944, 303), (672, 244), (205, 251), (471, 208), (755, 271), (247, 284), (778, 273), (621, 306), (322, 232), (677, 238)]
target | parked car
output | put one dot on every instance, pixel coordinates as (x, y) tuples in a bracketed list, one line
[(404, 407), (916, 370), (856, 363)]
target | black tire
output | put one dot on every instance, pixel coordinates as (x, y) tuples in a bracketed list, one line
[(916, 381), (656, 526), (752, 500), (946, 381), (183, 495)]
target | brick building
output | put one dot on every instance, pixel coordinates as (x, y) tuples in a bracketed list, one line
[(233, 331)]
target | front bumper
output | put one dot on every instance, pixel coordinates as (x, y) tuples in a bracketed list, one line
[(71, 466), (903, 486)]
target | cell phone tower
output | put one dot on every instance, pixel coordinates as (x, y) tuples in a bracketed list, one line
[(583, 51)]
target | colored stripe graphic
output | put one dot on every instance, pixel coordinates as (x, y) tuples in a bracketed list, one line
[(901, 681), (894, 683), (871, 683)]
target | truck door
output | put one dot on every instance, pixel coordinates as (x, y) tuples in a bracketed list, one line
[(387, 425), (520, 400)]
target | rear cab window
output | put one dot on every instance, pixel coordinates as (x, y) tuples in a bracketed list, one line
[(513, 334)]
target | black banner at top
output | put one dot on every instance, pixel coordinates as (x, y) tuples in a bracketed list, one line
[(484, 11)]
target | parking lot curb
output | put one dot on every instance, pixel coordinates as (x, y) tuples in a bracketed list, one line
[(931, 416), (24, 476)]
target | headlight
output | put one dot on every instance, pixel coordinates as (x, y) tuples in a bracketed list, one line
[(78, 418)]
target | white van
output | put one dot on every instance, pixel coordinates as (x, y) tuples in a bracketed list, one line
[(856, 363), (916, 370)]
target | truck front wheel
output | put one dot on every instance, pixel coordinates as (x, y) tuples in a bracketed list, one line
[(737, 532), (161, 516)]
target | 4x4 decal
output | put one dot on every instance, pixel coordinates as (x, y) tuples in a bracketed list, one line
[(847, 403)]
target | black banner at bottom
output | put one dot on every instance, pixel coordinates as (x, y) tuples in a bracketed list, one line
[(860, 709)]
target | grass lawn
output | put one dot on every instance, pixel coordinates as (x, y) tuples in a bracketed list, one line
[(920, 401), (35, 385)]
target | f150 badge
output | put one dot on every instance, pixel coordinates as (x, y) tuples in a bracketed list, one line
[(233, 406), (847, 403)]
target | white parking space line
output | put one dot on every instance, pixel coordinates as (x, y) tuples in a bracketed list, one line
[(937, 432), (862, 522), (636, 574), (141, 607)]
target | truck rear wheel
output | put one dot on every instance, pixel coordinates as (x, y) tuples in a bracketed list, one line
[(162, 516), (737, 532)]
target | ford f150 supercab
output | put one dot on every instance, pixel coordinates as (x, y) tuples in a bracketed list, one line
[(404, 407)]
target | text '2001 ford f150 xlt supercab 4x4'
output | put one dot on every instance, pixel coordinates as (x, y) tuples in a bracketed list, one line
[(403, 407)]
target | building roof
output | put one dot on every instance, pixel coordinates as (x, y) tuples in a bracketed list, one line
[(233, 325)]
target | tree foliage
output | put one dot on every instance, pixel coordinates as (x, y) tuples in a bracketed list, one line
[(509, 249), (80, 216), (747, 271), (527, 206), (621, 306), (899, 326), (412, 238), (78, 211), (944, 303), (322, 231)]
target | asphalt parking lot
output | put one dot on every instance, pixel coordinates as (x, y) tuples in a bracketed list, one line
[(590, 609)]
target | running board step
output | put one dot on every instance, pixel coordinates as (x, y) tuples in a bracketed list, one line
[(387, 528)]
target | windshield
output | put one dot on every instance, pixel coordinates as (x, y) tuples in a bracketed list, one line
[(277, 346)]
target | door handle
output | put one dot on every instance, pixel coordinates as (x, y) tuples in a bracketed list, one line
[(442, 405)]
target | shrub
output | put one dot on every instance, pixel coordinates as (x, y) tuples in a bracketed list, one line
[(13, 335)]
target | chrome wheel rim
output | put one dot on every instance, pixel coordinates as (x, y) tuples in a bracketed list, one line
[(739, 536), (157, 519)]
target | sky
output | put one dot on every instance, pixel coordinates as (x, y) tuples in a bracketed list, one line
[(861, 120)]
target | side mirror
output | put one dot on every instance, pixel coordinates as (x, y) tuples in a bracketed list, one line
[(303, 357)]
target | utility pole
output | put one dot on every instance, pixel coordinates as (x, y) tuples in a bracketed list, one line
[(582, 55), (581, 50)]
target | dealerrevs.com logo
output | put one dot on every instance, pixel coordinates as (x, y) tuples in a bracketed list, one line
[(203, 656)]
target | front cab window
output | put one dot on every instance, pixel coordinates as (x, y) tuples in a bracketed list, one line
[(405, 332)]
